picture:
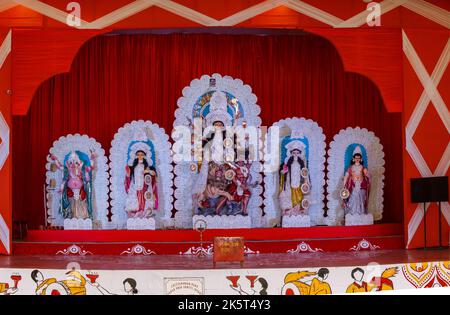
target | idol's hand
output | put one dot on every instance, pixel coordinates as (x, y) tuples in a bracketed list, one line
[(93, 154), (54, 158), (196, 197)]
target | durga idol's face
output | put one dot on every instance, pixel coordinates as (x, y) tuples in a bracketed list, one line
[(218, 124), (357, 159)]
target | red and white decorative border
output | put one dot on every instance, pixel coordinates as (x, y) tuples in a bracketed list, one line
[(232, 281), (364, 245), (138, 250), (73, 250), (421, 7), (304, 248)]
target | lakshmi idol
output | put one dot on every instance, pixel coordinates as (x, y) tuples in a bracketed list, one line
[(140, 183), (356, 182)]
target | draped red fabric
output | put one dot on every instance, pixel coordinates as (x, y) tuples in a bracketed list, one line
[(118, 78)]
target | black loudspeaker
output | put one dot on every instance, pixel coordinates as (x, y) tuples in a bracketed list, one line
[(429, 189)]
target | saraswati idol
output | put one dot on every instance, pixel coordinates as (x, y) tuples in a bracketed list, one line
[(294, 180), (295, 173)]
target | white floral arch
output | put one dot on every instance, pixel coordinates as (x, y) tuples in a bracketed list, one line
[(163, 164), (236, 87), (336, 168), (316, 164), (184, 175), (60, 149)]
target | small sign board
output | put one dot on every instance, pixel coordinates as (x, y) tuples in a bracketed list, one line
[(228, 249)]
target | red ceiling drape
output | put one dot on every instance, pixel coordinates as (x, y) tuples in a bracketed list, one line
[(119, 78)]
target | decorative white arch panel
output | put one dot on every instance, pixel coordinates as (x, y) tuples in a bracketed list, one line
[(54, 178), (163, 164), (185, 172), (310, 130), (336, 169), (236, 87)]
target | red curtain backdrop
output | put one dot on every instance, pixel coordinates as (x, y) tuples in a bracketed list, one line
[(119, 78)]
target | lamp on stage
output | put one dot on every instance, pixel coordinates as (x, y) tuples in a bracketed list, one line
[(430, 189), (200, 226)]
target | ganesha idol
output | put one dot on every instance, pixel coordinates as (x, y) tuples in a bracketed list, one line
[(76, 188), (76, 167)]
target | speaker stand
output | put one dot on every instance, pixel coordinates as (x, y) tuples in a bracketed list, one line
[(424, 225), (440, 226)]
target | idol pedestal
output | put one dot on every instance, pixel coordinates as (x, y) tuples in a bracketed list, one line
[(111, 226), (224, 221), (358, 219), (141, 224), (77, 224), (297, 220)]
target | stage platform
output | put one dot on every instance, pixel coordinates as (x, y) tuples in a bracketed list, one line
[(261, 273), (258, 261), (187, 242)]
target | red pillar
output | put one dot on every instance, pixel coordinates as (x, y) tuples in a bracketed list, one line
[(5, 143), (426, 121)]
